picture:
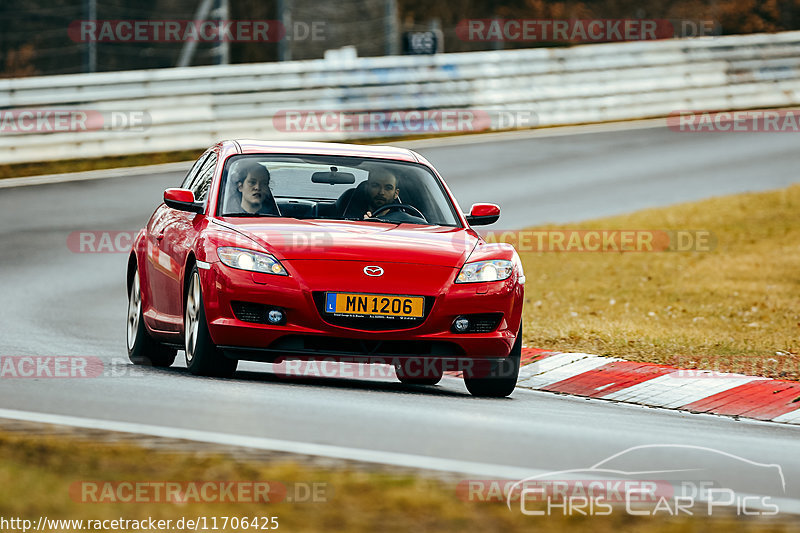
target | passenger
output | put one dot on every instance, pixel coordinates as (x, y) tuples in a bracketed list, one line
[(252, 182)]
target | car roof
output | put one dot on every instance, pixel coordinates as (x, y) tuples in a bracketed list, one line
[(251, 146)]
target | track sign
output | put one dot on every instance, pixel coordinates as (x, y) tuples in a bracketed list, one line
[(420, 42)]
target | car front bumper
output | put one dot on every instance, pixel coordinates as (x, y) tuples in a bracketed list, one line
[(307, 334)]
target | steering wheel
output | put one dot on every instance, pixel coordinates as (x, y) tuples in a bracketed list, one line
[(403, 207)]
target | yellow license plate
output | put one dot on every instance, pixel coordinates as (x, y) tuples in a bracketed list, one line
[(374, 305)]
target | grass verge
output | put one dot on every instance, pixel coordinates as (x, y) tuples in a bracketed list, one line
[(735, 308), (40, 168), (37, 474)]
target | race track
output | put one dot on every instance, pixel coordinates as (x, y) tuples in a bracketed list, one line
[(56, 302)]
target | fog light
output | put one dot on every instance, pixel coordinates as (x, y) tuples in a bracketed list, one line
[(461, 324), (275, 316)]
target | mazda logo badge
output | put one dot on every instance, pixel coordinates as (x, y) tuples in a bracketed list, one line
[(373, 271)]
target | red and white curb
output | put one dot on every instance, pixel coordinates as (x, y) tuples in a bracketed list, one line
[(698, 391)]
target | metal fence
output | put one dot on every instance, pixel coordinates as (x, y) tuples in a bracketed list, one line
[(191, 108)]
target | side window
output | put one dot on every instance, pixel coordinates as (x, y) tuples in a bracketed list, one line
[(187, 181), (202, 183)]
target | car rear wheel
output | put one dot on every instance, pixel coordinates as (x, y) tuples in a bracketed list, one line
[(424, 375), (203, 358), (499, 378), (142, 349)]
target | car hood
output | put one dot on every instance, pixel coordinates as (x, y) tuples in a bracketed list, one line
[(358, 241)]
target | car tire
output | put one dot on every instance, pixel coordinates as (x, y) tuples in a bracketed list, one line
[(203, 358), (142, 349), (498, 379), (409, 377)]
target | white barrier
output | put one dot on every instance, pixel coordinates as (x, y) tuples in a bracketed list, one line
[(190, 108)]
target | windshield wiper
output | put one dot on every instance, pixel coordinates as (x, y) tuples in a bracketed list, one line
[(368, 220), (250, 215)]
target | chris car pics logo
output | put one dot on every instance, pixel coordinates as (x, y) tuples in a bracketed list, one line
[(653, 480)]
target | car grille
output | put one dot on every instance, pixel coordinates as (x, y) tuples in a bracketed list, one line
[(484, 323), (370, 323), (250, 312), (375, 348)]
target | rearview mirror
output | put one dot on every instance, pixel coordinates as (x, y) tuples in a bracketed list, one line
[(483, 214), (182, 200), (333, 178)]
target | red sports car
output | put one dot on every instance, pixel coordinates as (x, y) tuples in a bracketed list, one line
[(273, 251)]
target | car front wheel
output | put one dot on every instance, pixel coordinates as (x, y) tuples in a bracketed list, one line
[(497, 379), (203, 358)]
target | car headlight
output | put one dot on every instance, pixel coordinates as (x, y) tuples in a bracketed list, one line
[(494, 270), (250, 260)]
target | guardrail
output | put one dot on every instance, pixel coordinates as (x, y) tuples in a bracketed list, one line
[(191, 108)]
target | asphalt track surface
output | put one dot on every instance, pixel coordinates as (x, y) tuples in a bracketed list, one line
[(56, 302)]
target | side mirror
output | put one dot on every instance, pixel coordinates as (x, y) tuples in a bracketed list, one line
[(182, 200), (483, 214)]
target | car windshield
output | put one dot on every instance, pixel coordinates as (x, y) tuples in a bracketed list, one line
[(333, 187)]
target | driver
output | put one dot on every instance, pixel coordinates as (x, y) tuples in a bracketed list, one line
[(381, 190), (370, 197)]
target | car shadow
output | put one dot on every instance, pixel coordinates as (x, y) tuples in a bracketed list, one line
[(327, 382), (348, 383)]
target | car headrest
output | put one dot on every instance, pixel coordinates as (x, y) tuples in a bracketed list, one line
[(353, 202)]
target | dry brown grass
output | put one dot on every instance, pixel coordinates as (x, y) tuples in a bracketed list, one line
[(736, 308)]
